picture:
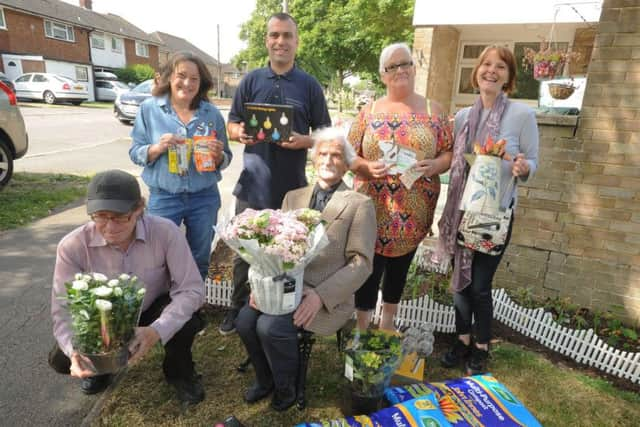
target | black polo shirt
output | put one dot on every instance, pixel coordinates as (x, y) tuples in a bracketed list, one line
[(269, 171)]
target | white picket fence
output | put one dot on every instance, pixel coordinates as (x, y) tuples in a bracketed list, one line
[(583, 346)]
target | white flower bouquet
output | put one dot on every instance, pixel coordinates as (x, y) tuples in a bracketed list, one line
[(277, 245), (104, 314)]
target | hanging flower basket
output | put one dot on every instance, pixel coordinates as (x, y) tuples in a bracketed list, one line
[(561, 90), (547, 69), (547, 63)]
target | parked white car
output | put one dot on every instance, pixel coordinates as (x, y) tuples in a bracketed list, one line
[(14, 140), (108, 90), (50, 88)]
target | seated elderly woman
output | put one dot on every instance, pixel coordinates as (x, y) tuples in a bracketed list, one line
[(330, 280)]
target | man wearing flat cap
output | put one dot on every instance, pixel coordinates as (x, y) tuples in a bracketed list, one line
[(121, 238)]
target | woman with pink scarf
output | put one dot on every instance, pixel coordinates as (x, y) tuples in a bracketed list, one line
[(491, 115)]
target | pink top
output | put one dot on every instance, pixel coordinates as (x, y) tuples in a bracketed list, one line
[(159, 256)]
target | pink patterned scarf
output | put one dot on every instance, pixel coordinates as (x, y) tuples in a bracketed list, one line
[(447, 247)]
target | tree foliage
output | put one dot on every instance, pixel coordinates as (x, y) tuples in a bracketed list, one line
[(337, 37)]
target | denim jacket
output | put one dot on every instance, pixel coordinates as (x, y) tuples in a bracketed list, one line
[(155, 118)]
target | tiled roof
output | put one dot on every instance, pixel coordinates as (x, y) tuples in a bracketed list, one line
[(174, 44), (77, 16)]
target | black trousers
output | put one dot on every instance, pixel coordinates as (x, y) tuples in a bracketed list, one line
[(475, 301), (393, 272), (178, 360), (241, 288), (272, 344)]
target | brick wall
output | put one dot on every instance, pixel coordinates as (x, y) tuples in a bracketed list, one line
[(132, 58), (577, 229), (435, 54), (25, 35)]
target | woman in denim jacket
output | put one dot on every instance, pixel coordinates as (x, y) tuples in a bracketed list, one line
[(179, 110)]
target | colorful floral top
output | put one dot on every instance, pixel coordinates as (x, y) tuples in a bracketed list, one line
[(404, 216)]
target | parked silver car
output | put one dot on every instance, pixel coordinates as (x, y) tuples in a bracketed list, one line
[(14, 140), (50, 88), (108, 90), (126, 105)]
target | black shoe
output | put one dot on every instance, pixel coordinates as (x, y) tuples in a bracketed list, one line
[(283, 399), (227, 327), (93, 385), (477, 363), (188, 390), (456, 355), (256, 392)]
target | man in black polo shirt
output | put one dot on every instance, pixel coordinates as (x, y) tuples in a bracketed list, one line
[(271, 170)]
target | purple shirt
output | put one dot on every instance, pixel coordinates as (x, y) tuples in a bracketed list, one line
[(159, 256)]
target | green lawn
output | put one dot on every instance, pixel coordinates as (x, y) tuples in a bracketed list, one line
[(31, 196), (556, 395)]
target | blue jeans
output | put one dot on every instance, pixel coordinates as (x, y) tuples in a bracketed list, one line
[(198, 211)]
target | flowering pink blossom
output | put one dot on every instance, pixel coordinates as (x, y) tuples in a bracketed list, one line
[(283, 234)]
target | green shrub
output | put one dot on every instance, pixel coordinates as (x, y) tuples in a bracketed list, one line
[(136, 73)]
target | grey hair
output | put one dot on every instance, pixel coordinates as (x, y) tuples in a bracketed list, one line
[(389, 50), (330, 134)]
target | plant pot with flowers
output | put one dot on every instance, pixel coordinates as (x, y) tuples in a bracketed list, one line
[(104, 314), (371, 358), (547, 62)]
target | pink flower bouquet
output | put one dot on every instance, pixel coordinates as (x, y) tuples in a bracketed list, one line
[(277, 245)]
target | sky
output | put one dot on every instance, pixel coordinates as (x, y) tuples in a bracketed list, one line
[(193, 20)]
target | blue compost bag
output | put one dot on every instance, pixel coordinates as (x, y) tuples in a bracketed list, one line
[(479, 400), (420, 412)]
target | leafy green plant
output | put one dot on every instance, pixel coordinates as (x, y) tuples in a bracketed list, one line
[(420, 282), (103, 312), (630, 333), (374, 355), (136, 73), (524, 297)]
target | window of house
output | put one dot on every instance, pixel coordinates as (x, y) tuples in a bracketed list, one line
[(116, 44), (97, 40), (142, 49), (82, 74), (3, 24), (526, 86), (470, 53), (59, 31)]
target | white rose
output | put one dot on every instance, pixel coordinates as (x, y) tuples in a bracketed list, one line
[(80, 285), (141, 291), (113, 283), (78, 276), (99, 277), (124, 277), (86, 277), (102, 291), (117, 291), (103, 305)]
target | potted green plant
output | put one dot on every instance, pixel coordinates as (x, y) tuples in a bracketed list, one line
[(372, 357), (104, 314)]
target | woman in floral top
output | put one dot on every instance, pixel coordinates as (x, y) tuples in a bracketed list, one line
[(404, 211)]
